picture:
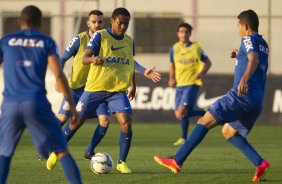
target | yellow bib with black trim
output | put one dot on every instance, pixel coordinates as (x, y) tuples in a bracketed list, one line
[(116, 73), (187, 61), (78, 75)]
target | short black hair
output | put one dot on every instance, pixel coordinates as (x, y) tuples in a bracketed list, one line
[(186, 25), (95, 12), (120, 11), (250, 18), (31, 15)]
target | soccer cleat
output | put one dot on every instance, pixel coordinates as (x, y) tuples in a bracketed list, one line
[(123, 168), (260, 171), (88, 156), (179, 142), (52, 161), (168, 163)]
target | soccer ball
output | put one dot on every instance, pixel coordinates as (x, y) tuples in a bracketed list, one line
[(101, 163)]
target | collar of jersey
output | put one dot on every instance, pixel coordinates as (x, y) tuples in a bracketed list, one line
[(109, 30)]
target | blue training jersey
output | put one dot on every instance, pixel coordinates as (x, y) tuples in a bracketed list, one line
[(256, 84), (25, 58)]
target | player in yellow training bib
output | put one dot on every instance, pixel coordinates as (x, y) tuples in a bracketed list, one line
[(186, 72)]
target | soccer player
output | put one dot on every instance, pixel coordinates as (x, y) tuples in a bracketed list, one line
[(187, 72), (25, 55), (238, 110), (78, 75)]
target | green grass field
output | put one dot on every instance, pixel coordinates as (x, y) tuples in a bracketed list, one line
[(214, 161)]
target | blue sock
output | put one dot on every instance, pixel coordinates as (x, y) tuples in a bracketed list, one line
[(244, 146), (99, 133), (124, 145), (67, 132), (4, 168), (194, 112), (71, 170), (184, 121), (196, 136)]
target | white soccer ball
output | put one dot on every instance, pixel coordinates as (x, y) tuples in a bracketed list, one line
[(101, 163)]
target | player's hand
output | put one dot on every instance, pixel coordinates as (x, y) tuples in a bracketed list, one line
[(199, 76), (131, 93), (171, 82), (242, 87), (97, 60), (233, 54), (151, 74)]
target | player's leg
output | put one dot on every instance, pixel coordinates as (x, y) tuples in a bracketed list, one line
[(125, 122), (119, 104), (11, 129), (99, 133), (185, 99), (43, 125), (235, 133)]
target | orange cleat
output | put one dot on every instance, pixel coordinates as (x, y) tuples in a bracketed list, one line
[(260, 171), (168, 163)]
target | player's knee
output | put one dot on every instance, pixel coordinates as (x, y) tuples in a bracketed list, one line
[(180, 113), (227, 132), (125, 126), (63, 118), (61, 154), (104, 121)]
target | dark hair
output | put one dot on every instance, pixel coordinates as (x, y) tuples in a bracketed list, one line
[(95, 12), (120, 11), (250, 18), (32, 16), (186, 25)]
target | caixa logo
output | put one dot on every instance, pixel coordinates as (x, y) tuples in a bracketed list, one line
[(277, 101), (119, 60)]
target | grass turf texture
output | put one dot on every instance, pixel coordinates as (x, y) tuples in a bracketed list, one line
[(213, 161)]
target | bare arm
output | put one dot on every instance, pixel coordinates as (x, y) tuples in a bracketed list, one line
[(61, 81), (171, 81), (132, 91), (253, 59), (205, 69), (89, 59)]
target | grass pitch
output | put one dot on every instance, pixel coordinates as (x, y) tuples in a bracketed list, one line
[(213, 161)]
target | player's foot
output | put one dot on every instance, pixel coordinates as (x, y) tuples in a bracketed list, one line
[(260, 171), (123, 168), (41, 158), (52, 161), (168, 163), (88, 155), (179, 142)]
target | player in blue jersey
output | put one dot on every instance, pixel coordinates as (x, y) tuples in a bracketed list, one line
[(238, 110), (79, 72), (26, 55), (186, 71)]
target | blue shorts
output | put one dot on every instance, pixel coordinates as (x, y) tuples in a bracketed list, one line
[(76, 94), (186, 96), (43, 127), (239, 112), (102, 103)]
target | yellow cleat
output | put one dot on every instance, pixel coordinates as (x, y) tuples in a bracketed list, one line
[(179, 142), (52, 161), (122, 168)]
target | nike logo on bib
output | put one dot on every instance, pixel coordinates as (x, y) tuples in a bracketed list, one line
[(115, 48), (203, 102)]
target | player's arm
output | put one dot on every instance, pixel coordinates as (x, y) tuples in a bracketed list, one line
[(61, 80), (1, 54), (149, 73), (171, 80), (93, 48), (207, 65), (253, 61), (70, 51), (132, 90)]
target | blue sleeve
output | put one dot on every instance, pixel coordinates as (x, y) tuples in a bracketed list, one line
[(204, 56), (70, 51), (95, 43), (249, 44), (139, 67), (171, 55)]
